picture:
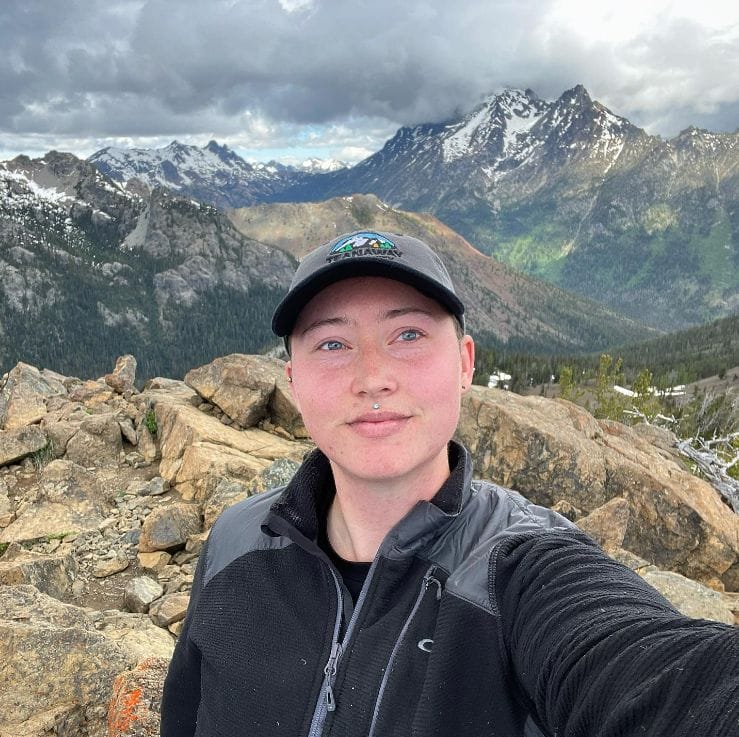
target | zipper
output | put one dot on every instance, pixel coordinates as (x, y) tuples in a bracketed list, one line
[(326, 700), (428, 580)]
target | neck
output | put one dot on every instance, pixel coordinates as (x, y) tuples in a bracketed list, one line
[(363, 512)]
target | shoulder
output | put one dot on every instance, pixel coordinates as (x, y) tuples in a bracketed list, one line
[(238, 531), (491, 517)]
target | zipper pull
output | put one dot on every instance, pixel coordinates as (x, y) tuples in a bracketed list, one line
[(428, 579), (330, 672)]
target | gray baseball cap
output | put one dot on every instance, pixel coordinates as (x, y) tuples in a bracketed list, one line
[(367, 253)]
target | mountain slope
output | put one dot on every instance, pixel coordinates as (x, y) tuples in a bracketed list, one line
[(89, 271), (570, 192), (504, 307)]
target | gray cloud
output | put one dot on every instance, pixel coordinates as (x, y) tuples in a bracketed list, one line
[(102, 70)]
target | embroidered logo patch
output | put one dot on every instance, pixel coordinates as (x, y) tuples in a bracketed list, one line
[(363, 244)]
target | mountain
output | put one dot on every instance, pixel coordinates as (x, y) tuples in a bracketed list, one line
[(504, 307), (90, 270), (569, 191), (213, 174), (565, 190)]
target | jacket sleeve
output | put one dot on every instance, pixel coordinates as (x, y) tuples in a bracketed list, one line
[(181, 693), (599, 653)]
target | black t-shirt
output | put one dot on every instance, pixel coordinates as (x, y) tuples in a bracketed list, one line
[(352, 573)]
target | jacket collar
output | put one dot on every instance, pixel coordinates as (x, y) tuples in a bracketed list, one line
[(306, 499)]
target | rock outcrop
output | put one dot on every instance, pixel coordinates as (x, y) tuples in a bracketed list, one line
[(109, 492)]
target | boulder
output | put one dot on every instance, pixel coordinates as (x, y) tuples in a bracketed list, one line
[(167, 528), (689, 597), (59, 432), (240, 385), (197, 450), (66, 499), (135, 707), (552, 451), (169, 609), (140, 593), (24, 394), (91, 393), (123, 377), (97, 442), (607, 525), (59, 663), (50, 574), (20, 443), (227, 493)]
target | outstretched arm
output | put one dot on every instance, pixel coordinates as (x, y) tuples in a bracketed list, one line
[(599, 653)]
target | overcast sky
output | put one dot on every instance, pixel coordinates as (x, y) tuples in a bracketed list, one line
[(336, 78)]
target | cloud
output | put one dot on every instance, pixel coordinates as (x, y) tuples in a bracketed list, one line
[(267, 69)]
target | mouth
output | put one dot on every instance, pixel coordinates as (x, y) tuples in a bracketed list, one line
[(378, 424)]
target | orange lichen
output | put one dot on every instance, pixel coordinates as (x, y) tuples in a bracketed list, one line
[(121, 714)]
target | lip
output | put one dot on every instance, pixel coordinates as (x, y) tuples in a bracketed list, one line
[(378, 424)]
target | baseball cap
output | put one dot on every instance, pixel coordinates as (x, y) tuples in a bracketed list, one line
[(367, 253)]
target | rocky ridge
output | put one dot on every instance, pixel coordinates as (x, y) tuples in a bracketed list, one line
[(142, 272), (107, 494)]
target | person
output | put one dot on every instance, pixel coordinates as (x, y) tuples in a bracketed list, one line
[(383, 592)]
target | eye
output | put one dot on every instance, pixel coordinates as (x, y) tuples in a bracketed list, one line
[(410, 335), (331, 345)]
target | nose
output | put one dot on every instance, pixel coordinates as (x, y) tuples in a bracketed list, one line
[(374, 374)]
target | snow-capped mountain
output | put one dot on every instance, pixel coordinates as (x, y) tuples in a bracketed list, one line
[(563, 189), (90, 270), (569, 191), (213, 174)]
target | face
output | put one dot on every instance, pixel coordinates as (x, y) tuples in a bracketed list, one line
[(371, 340)]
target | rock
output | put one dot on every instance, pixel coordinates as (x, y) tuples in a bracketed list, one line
[(227, 492), (50, 574), (555, 450), (124, 375), (128, 430), (140, 592), (97, 442), (282, 408), (607, 525), (689, 597), (154, 561), (146, 443), (7, 514), (20, 443), (169, 609), (59, 433), (198, 450), (156, 487), (66, 499), (172, 391), (136, 703), (24, 394), (240, 385), (167, 528), (58, 669), (135, 634), (91, 393), (111, 566)]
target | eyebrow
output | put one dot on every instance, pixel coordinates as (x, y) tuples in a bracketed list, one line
[(388, 315)]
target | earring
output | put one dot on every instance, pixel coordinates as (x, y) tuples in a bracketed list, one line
[(289, 379)]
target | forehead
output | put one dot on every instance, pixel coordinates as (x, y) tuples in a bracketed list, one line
[(371, 296)]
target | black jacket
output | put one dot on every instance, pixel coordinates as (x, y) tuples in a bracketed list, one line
[(482, 616)]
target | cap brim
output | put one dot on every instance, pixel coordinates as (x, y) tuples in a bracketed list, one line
[(287, 311)]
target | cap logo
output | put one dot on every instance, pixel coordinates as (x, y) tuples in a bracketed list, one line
[(363, 244)]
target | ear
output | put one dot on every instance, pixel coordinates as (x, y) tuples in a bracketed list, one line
[(289, 377), (467, 361)]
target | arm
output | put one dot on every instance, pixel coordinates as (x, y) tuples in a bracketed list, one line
[(181, 694), (599, 653)]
